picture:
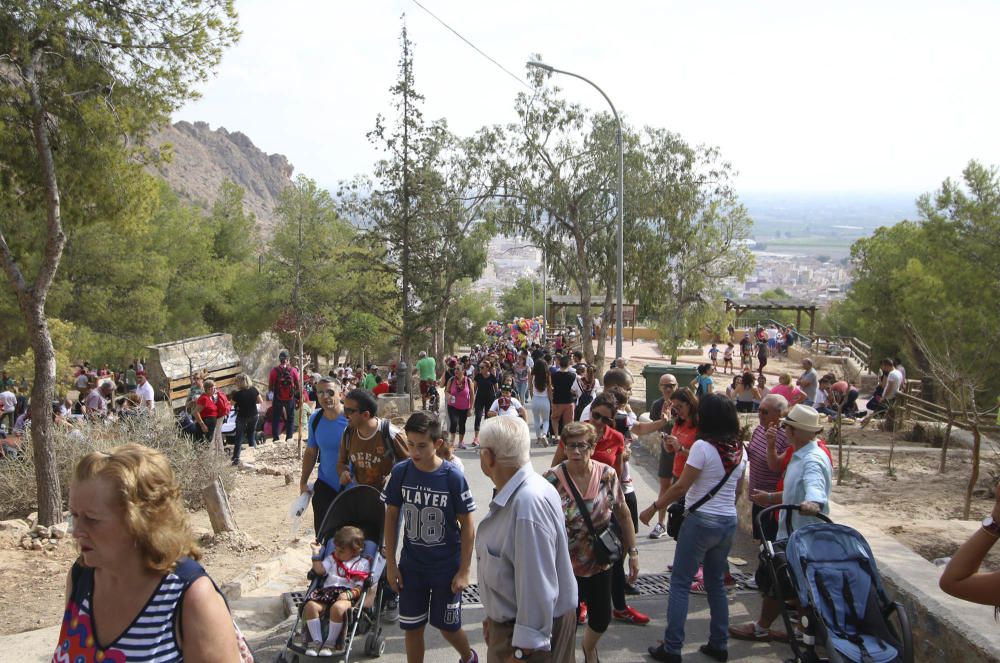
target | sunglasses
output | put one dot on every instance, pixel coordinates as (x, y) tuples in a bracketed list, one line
[(328, 393), (349, 411), (668, 386), (600, 417)]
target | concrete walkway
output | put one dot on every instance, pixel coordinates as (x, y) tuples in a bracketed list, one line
[(622, 643)]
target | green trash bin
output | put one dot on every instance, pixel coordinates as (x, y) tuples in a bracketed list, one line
[(652, 373)]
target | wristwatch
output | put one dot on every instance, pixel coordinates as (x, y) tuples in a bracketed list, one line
[(520, 654), (633, 552), (991, 526)]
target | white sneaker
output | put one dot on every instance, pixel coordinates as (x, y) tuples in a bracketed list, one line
[(658, 531), (326, 650), (312, 649)]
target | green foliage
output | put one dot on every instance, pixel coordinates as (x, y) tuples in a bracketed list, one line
[(691, 233), (467, 319), (63, 340), (521, 299), (930, 287)]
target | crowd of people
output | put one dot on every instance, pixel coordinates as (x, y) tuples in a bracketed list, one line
[(557, 550)]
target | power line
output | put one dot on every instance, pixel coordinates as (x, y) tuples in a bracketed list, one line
[(474, 47)]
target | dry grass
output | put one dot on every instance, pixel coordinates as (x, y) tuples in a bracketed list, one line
[(194, 467)]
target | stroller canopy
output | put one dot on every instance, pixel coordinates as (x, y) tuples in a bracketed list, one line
[(360, 506)]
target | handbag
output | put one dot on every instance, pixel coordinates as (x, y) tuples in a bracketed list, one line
[(608, 547), (676, 512)]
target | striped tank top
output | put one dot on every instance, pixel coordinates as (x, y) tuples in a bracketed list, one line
[(149, 638)]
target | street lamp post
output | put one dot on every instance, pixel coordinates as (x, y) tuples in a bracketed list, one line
[(619, 307)]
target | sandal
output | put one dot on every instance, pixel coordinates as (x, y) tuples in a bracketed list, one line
[(752, 632)]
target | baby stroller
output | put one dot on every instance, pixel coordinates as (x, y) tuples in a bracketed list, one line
[(830, 570), (362, 507)]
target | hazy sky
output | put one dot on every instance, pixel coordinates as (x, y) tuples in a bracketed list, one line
[(800, 96)]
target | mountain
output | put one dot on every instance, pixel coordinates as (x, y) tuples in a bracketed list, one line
[(202, 158)]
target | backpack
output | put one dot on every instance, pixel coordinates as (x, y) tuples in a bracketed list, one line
[(285, 383)]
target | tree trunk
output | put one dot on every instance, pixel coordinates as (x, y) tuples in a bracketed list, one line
[(602, 338), (947, 440), (583, 281), (300, 398), (31, 301), (42, 392), (974, 478), (217, 504)]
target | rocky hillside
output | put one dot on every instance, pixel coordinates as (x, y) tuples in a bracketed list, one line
[(202, 159)]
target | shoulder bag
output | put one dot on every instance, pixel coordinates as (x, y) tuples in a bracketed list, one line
[(676, 512), (608, 547)]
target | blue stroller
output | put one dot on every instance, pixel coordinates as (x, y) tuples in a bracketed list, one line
[(830, 570), (362, 507)]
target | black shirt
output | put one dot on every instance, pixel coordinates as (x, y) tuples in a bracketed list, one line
[(245, 401), (562, 387), (486, 388)]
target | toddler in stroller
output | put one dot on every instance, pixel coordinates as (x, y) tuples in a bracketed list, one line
[(346, 580), (346, 571)]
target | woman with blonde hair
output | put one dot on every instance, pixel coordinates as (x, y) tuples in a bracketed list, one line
[(136, 587)]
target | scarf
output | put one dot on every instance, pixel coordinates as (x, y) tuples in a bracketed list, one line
[(504, 403), (730, 452), (350, 574)]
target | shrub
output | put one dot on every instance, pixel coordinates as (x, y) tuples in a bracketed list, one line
[(194, 467)]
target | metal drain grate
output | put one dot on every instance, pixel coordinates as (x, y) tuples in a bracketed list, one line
[(470, 596), (650, 584)]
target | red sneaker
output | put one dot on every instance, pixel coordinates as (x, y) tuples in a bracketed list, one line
[(581, 614), (631, 615)]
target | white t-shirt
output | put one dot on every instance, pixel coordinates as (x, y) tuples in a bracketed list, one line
[(892, 383), (515, 405), (772, 333), (9, 401), (145, 392), (703, 456)]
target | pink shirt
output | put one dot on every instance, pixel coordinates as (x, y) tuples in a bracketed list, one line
[(790, 393)]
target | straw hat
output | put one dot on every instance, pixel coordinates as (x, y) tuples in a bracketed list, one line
[(804, 418)]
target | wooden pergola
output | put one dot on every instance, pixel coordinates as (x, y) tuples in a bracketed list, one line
[(741, 306), (630, 310)]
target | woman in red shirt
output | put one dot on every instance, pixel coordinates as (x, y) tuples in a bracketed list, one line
[(684, 408), (210, 407), (610, 447)]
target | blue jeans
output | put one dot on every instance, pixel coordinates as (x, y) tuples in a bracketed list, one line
[(246, 429), (704, 539)]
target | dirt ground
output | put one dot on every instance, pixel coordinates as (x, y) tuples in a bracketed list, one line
[(916, 504), (32, 583)]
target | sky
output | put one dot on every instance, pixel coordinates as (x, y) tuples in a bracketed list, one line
[(875, 96)]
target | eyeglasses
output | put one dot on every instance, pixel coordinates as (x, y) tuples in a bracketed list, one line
[(328, 393), (349, 411), (578, 446), (600, 417)]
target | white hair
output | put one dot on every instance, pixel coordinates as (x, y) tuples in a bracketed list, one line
[(509, 440), (778, 401)]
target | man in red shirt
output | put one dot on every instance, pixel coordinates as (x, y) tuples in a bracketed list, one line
[(285, 389)]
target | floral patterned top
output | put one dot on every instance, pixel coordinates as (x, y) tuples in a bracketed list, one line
[(601, 496)]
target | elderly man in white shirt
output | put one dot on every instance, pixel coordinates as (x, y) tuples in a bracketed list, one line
[(526, 579)]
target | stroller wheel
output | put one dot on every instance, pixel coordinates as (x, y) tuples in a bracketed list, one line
[(374, 645)]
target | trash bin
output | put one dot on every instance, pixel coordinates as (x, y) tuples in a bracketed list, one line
[(653, 372)]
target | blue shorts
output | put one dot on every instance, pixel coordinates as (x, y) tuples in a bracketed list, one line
[(426, 599)]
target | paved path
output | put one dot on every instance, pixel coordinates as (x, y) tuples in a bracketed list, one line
[(622, 642)]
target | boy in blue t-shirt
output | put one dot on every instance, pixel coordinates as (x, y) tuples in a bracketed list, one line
[(436, 505)]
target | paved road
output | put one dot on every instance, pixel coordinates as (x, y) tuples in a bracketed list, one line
[(622, 642)]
